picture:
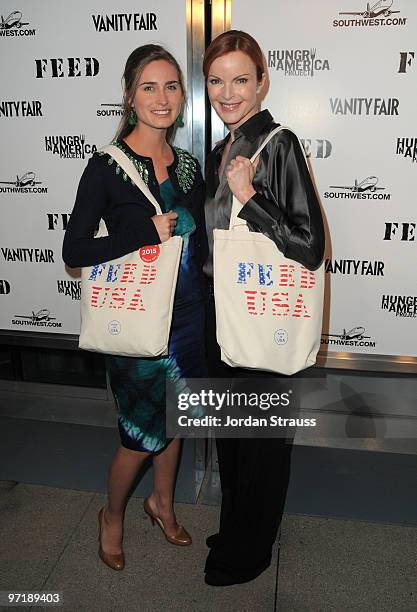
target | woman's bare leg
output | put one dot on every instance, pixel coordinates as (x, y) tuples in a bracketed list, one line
[(162, 499), (122, 473)]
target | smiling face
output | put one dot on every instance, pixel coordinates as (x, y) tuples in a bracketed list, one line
[(233, 88), (158, 97)]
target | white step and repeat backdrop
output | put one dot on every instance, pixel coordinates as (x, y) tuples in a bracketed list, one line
[(343, 75), (61, 66)]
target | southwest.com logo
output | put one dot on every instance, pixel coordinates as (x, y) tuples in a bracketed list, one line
[(41, 318), (23, 184), (365, 189), (12, 25), (353, 337), (376, 13)]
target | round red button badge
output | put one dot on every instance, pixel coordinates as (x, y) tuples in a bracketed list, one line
[(148, 254)]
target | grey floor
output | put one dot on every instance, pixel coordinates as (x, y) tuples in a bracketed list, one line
[(348, 542), (49, 542)]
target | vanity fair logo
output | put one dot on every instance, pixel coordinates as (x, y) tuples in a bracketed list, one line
[(364, 106), (317, 147), (374, 13), (69, 147), (365, 189), (354, 267), (41, 318), (297, 62), (13, 25), (407, 147), (25, 183), (21, 108), (69, 67), (400, 305), (354, 337), (124, 22), (110, 110), (69, 288), (23, 255)]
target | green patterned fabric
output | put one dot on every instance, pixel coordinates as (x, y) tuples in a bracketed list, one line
[(139, 384)]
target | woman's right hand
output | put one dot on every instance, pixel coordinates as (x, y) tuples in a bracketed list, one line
[(165, 224)]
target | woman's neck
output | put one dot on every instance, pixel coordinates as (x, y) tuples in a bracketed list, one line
[(148, 142), (233, 128)]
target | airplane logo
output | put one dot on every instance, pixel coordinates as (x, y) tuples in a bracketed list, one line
[(14, 20), (27, 180), (356, 333), (368, 184), (382, 7), (41, 315)]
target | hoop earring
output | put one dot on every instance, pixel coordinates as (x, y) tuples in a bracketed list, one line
[(133, 118)]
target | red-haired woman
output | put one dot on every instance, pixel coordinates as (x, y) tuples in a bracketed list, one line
[(278, 200)]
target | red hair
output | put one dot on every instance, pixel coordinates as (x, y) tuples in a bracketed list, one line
[(234, 40)]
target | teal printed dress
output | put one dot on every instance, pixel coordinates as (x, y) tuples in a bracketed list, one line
[(138, 384), (106, 192)]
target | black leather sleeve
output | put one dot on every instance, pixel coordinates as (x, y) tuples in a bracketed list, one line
[(285, 207)]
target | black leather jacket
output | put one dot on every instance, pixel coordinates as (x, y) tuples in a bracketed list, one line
[(285, 207)]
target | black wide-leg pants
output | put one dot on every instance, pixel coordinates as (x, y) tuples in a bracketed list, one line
[(254, 476)]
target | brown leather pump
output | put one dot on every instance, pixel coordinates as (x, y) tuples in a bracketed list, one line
[(181, 538), (116, 562)]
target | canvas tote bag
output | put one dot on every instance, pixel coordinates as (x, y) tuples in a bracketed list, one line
[(268, 308), (126, 303)]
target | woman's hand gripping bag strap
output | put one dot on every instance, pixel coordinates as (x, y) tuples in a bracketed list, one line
[(269, 308), (126, 303)]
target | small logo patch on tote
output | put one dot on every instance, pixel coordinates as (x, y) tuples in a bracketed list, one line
[(114, 328), (281, 337), (148, 254)]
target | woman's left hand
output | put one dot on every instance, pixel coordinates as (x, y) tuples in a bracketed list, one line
[(240, 173)]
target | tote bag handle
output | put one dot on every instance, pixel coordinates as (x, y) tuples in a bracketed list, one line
[(235, 222), (126, 165)]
